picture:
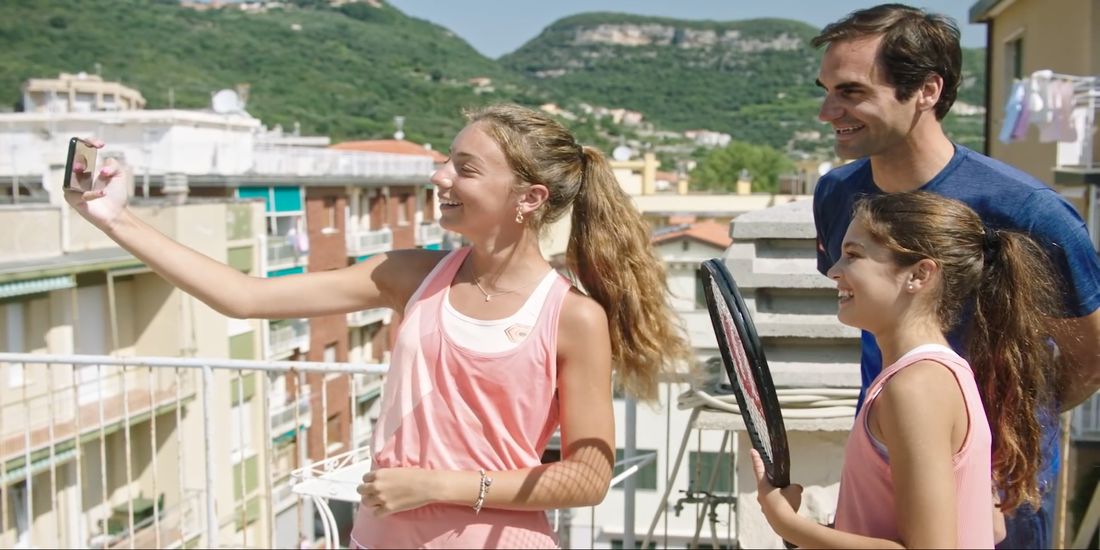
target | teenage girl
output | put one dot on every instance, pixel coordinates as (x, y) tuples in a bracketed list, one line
[(496, 350)]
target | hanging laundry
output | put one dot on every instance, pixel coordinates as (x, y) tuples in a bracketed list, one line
[(1059, 125), (1014, 108)]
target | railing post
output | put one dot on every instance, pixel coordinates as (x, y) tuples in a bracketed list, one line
[(207, 433), (629, 484)]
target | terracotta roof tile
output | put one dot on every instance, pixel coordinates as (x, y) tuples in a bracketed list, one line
[(709, 231), (396, 146)]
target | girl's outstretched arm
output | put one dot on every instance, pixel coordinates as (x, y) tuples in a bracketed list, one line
[(387, 280)]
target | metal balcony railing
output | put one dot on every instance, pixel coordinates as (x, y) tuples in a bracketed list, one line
[(365, 317), (281, 254), (193, 452), (428, 233), (166, 460), (371, 241), (287, 336), (298, 161)]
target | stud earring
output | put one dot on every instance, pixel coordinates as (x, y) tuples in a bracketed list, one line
[(519, 215), (910, 287)]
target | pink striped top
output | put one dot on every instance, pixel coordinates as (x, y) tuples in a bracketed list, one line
[(866, 503), (447, 407)]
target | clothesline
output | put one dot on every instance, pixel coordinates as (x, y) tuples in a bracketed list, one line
[(1060, 105)]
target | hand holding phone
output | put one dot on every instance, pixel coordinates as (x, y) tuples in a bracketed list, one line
[(80, 166), (91, 189)]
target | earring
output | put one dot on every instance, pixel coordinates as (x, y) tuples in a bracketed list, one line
[(519, 215), (910, 287)]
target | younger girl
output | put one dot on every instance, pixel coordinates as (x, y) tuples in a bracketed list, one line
[(934, 427)]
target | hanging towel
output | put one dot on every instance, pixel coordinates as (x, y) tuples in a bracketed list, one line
[(1013, 108), (1061, 126)]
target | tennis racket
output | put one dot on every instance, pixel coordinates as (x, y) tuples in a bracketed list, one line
[(747, 368)]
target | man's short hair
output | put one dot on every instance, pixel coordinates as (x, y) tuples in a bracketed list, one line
[(915, 45)]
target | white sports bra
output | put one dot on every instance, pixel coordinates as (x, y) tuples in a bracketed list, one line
[(496, 335)]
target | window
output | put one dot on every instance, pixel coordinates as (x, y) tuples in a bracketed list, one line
[(13, 341), (700, 294), (646, 478), (283, 206), (403, 210), (1014, 60), (700, 465), (330, 214), (335, 431), (240, 432)]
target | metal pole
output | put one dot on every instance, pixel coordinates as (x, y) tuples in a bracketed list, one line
[(208, 432), (629, 484)]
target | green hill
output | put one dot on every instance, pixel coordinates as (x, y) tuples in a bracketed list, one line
[(753, 79), (347, 72)]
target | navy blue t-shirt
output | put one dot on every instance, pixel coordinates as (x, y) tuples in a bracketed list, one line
[(1005, 198)]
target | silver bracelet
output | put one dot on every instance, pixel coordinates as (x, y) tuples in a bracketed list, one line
[(483, 489)]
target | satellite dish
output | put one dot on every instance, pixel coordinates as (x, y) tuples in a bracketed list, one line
[(225, 102), (824, 168), (622, 153)]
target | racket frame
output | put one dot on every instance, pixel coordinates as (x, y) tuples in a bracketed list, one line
[(776, 466)]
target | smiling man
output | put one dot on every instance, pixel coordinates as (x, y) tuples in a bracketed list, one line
[(890, 75)]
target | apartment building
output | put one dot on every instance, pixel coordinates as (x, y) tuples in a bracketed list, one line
[(81, 92), (90, 432)]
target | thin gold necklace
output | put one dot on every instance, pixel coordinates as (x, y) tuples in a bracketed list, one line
[(486, 294)]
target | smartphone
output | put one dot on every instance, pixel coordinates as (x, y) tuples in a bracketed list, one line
[(81, 160)]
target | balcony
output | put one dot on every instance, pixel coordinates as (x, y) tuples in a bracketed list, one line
[(282, 255), (368, 316), (371, 241), (301, 161), (286, 336), (289, 417), (429, 235)]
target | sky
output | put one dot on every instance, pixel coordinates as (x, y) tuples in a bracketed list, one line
[(497, 27)]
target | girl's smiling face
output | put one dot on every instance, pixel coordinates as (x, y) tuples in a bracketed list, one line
[(870, 284), (475, 187)]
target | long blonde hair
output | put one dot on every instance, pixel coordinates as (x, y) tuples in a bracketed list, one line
[(609, 251)]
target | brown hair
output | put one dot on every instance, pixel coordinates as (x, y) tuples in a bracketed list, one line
[(609, 250), (915, 45), (1005, 282)]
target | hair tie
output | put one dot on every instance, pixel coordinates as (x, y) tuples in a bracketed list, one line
[(991, 245)]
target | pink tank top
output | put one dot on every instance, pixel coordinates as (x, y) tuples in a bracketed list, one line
[(866, 503), (446, 407)]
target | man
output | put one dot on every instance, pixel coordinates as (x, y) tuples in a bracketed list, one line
[(890, 75)]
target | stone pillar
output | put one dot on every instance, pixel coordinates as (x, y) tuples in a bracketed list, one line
[(773, 259)]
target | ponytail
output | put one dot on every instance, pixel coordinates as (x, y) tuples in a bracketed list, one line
[(609, 250), (611, 255), (1012, 358)]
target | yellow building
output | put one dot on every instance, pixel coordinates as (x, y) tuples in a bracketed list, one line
[(1062, 36)]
